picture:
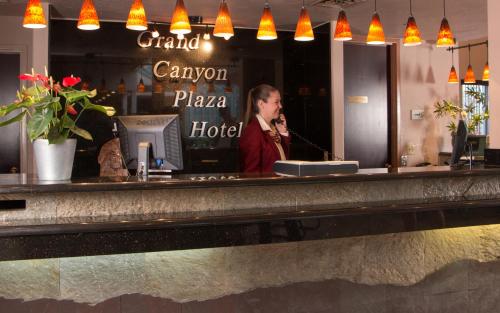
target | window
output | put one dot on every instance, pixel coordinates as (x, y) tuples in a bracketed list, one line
[(476, 96)]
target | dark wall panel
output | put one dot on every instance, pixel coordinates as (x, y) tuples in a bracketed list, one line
[(9, 138), (366, 122)]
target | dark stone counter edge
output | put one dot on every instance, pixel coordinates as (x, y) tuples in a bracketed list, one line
[(194, 181), (156, 222), (51, 241)]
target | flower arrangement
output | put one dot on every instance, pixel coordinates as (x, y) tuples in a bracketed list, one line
[(53, 108), (472, 117)]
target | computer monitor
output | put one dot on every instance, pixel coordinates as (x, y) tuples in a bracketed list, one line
[(477, 143), (459, 142), (162, 132)]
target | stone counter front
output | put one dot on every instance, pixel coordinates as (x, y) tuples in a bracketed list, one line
[(454, 269), (428, 271)]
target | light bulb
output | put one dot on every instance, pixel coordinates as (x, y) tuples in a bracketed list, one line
[(180, 36), (206, 36), (155, 33), (207, 46)]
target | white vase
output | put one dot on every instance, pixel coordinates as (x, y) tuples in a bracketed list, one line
[(54, 161)]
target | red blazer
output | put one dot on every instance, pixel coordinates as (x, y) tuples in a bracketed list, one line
[(258, 152)]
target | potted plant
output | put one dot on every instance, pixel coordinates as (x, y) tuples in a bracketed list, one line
[(474, 113), (52, 109)]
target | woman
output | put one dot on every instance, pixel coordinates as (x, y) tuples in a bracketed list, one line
[(263, 141)]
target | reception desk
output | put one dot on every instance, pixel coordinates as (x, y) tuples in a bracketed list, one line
[(376, 234), (190, 211)]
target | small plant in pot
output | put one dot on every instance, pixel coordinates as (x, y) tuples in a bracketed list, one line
[(474, 113), (53, 109)]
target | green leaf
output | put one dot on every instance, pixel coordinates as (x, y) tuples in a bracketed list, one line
[(92, 93), (67, 122), (16, 118), (74, 96), (109, 111), (81, 132), (34, 91), (39, 123), (55, 136)]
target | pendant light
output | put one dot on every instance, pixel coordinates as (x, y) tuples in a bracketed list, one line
[(122, 89), (179, 24), (453, 77), (445, 35), (155, 33), (223, 24), (34, 16), (342, 29), (469, 75), (267, 29), (88, 19), (137, 17), (486, 70), (206, 35), (304, 31), (412, 33), (141, 87), (376, 34)]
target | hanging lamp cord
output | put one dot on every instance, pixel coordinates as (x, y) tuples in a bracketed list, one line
[(411, 11), (444, 7)]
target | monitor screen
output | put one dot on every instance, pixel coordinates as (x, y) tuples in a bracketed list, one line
[(459, 141), (161, 131)]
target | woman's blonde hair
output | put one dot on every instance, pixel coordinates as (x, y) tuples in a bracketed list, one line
[(261, 92)]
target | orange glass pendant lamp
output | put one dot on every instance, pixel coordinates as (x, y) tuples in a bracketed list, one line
[(267, 29), (223, 24), (445, 35), (137, 17), (141, 87), (486, 70), (453, 77), (342, 29), (179, 24), (34, 16), (376, 34), (469, 75), (88, 19), (304, 31), (412, 33)]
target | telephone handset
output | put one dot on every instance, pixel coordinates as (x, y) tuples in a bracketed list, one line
[(326, 153), (278, 120)]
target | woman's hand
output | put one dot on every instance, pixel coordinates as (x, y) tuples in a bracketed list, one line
[(282, 127)]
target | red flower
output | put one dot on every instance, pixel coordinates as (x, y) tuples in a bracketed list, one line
[(42, 78), (28, 77), (57, 88), (71, 110), (70, 81)]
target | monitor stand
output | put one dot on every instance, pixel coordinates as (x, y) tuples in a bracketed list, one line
[(143, 159), (143, 164)]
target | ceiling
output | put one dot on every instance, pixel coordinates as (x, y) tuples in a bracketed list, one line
[(468, 18)]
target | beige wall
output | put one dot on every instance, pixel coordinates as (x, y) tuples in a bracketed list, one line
[(423, 81), (494, 87)]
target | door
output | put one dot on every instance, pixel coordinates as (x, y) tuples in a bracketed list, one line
[(10, 135), (366, 105)]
